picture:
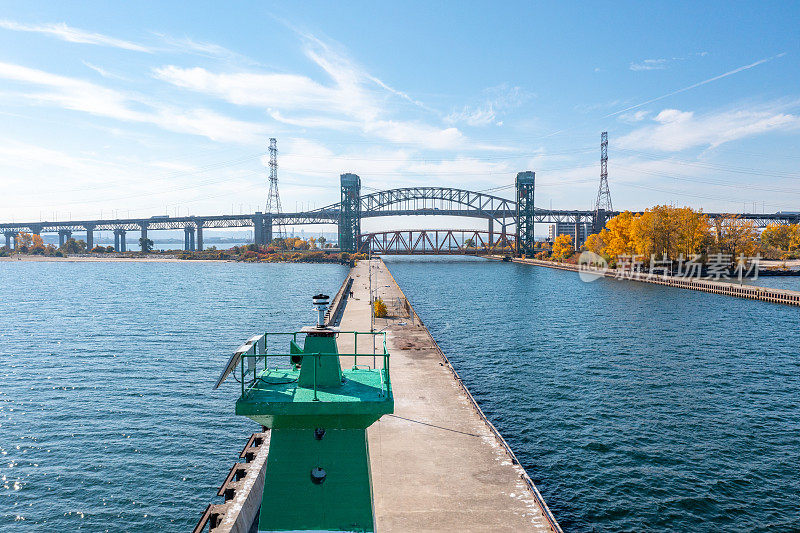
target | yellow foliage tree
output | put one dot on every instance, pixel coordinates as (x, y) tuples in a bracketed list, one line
[(617, 235), (596, 243), (778, 235), (736, 236), (380, 309), (661, 231), (24, 240), (562, 246), (794, 237)]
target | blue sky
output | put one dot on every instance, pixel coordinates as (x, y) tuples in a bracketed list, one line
[(137, 109)]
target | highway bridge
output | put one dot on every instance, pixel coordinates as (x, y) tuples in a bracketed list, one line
[(507, 220)]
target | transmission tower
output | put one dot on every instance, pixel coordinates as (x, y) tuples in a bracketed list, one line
[(603, 195), (603, 204), (274, 199)]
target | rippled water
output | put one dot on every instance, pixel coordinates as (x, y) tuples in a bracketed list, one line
[(634, 407), (107, 417)]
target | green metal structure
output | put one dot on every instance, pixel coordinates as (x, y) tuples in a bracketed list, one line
[(317, 474), (525, 185), (350, 213)]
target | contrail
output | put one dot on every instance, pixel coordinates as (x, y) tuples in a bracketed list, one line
[(715, 78)]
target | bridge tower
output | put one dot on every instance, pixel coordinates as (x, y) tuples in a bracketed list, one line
[(274, 199), (350, 213), (603, 203), (525, 185)]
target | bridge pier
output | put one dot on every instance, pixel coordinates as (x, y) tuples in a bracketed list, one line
[(199, 235), (577, 243), (143, 230), (63, 236), (123, 242), (119, 240), (89, 237), (188, 239), (267, 228), (11, 235), (491, 233)]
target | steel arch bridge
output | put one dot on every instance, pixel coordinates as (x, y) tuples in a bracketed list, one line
[(347, 214)]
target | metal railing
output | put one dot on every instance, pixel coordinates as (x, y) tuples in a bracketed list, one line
[(255, 353)]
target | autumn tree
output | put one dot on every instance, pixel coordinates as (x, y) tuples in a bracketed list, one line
[(778, 235), (736, 236), (794, 237), (24, 242), (562, 246), (596, 242), (380, 308), (617, 235)]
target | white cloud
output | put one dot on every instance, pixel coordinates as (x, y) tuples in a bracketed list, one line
[(353, 99), (73, 35), (498, 100), (649, 64), (638, 116), (79, 95), (674, 130), (474, 116)]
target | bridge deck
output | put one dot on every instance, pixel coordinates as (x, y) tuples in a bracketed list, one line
[(436, 465)]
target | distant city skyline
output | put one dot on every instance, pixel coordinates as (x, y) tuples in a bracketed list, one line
[(145, 109)]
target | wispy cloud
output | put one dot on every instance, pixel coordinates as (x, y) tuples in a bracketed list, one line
[(498, 100), (351, 98), (636, 116), (649, 64), (80, 95), (61, 31), (699, 84), (673, 130), (103, 72)]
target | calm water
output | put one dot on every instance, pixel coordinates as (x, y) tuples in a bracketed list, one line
[(634, 407), (107, 417)]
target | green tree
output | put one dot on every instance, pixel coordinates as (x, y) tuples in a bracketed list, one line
[(74, 247), (146, 244)]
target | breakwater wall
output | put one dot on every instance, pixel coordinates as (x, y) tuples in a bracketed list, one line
[(752, 292)]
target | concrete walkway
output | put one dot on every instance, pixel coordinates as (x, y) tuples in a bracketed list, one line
[(436, 465)]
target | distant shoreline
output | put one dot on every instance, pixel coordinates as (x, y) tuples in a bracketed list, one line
[(167, 258)]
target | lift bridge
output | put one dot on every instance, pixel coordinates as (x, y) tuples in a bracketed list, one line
[(509, 226)]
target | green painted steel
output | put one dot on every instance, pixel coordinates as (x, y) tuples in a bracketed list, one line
[(318, 415), (325, 371), (525, 185), (350, 213)]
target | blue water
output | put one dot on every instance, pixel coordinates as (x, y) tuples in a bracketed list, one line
[(634, 407), (107, 417)]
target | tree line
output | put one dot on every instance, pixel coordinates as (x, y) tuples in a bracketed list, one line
[(681, 232)]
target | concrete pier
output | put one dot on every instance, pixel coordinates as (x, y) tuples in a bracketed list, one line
[(437, 463), (751, 292)]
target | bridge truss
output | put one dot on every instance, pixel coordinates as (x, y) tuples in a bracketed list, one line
[(503, 216), (436, 242)]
